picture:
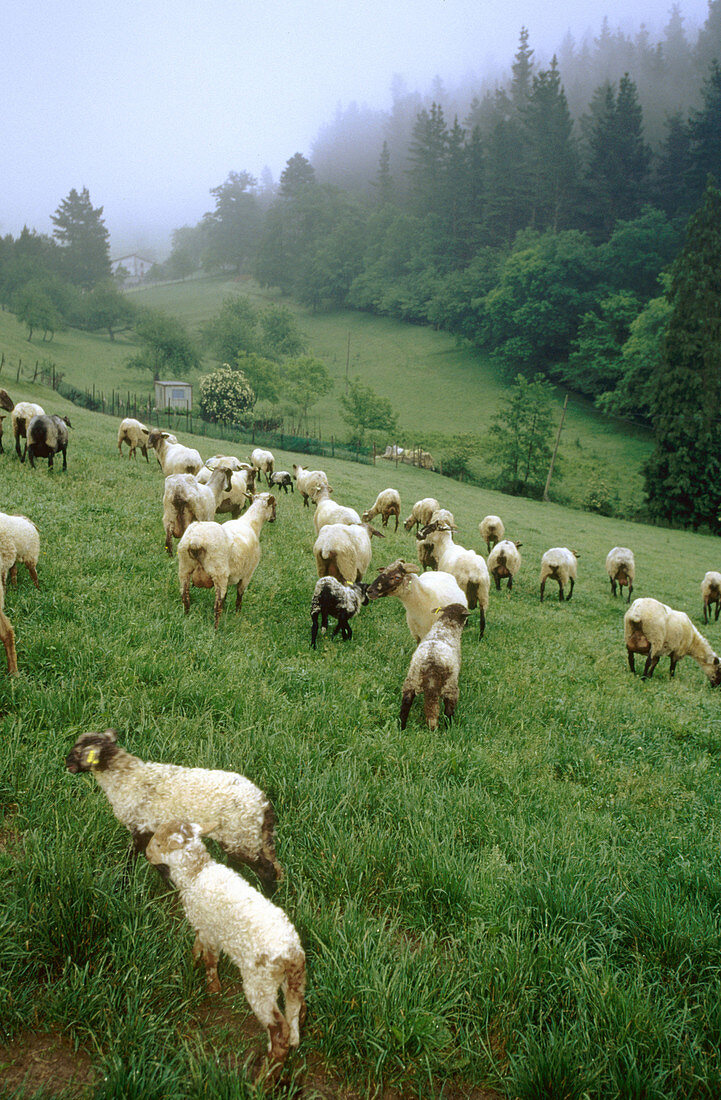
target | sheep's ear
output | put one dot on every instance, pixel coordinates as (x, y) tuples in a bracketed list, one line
[(518, 545), (204, 830), (575, 554), (411, 567), (112, 735)]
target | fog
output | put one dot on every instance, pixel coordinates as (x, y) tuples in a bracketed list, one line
[(150, 104)]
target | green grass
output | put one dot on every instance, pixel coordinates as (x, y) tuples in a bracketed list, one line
[(528, 899)]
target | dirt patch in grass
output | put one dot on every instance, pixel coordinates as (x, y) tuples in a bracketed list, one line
[(46, 1060), (10, 841)]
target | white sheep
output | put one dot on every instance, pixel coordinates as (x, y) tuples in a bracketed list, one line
[(232, 463), (24, 537), (334, 600), (435, 666), (214, 555), (7, 634), (229, 916), (186, 500), (144, 795), (21, 415), (492, 530), (468, 567), (263, 461), (711, 593), (421, 513), (308, 480), (656, 630), (621, 568), (559, 563), (327, 511), (420, 595), (343, 550), (426, 549), (135, 434), (174, 457), (504, 560), (387, 504)]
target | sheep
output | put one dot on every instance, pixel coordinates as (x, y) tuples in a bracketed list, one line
[(46, 437), (559, 563), (504, 560), (339, 601), (144, 795), (711, 593), (233, 463), (621, 568), (421, 513), (25, 540), (281, 479), (135, 434), (21, 416), (492, 530), (185, 500), (214, 555), (308, 480), (7, 634), (468, 567), (242, 487), (327, 511), (228, 915), (420, 595), (263, 461), (343, 550), (174, 457), (387, 503), (2, 449), (6, 402), (656, 630), (435, 666), (425, 548)]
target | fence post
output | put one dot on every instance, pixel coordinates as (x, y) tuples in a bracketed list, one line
[(332, 446), (17, 376), (374, 452)]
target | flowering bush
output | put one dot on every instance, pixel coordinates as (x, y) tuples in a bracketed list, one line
[(225, 395)]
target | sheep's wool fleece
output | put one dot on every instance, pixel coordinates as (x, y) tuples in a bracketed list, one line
[(437, 657), (329, 591)]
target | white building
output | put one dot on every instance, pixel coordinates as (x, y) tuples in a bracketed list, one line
[(173, 395), (136, 267)]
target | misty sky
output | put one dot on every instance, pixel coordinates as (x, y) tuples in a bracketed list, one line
[(150, 103)]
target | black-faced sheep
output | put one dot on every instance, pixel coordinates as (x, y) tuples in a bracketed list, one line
[(711, 593), (468, 567), (420, 595), (308, 481), (421, 513), (48, 436), (656, 630), (281, 479), (186, 500), (621, 568), (263, 461), (174, 457), (559, 563), (334, 600), (435, 666), (6, 403)]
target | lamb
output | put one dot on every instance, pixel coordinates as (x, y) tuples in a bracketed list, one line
[(25, 540), (46, 437), (504, 560), (7, 634), (339, 601), (21, 416), (308, 481), (656, 630), (420, 595), (343, 550), (387, 503), (186, 500), (421, 513), (492, 530), (214, 555), (6, 402), (174, 457), (144, 795), (327, 511), (135, 434), (621, 568), (468, 567), (435, 666), (711, 593), (559, 563), (228, 915), (263, 461), (281, 479)]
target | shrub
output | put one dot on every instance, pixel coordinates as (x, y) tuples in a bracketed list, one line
[(225, 395)]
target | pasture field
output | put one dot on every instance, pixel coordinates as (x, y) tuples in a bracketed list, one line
[(525, 903)]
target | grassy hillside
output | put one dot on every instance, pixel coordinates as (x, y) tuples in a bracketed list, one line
[(525, 902)]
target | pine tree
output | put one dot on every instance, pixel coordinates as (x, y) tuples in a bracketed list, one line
[(619, 160), (297, 175), (384, 180), (705, 134), (554, 160), (81, 232), (670, 190), (683, 474), (427, 160)]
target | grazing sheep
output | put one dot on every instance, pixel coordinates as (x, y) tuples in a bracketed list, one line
[(174, 457), (559, 563), (46, 437), (420, 595), (24, 537), (6, 402), (186, 500), (327, 511), (229, 916), (468, 567), (621, 568), (135, 434), (7, 634), (656, 630), (387, 503), (421, 513), (504, 560), (337, 601), (263, 461), (343, 550), (308, 481), (281, 479), (435, 666), (492, 530), (214, 555), (21, 416), (711, 593), (144, 795)]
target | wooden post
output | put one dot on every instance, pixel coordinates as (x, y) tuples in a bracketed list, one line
[(374, 452), (332, 446), (347, 362), (555, 450)]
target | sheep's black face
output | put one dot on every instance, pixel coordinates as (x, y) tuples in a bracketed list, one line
[(386, 583), (91, 751), (716, 673)]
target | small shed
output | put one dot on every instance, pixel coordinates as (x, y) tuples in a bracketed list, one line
[(173, 395)]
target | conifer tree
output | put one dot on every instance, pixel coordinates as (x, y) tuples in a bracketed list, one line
[(554, 159), (705, 134), (81, 232)]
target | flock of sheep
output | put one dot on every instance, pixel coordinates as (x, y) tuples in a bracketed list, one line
[(168, 809)]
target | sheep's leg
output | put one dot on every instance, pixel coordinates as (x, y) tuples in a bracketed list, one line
[(278, 1046), (482, 623), (510, 583), (314, 629), (560, 591), (185, 593), (630, 590), (7, 635), (14, 574), (705, 608), (631, 660), (169, 540), (543, 589), (294, 989), (570, 588), (220, 601), (450, 700), (497, 579), (718, 606), (406, 703), (239, 595), (674, 662), (210, 961), (613, 587), (650, 665), (31, 456), (33, 573), (397, 521)]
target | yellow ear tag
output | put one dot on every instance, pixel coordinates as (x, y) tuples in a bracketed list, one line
[(92, 757)]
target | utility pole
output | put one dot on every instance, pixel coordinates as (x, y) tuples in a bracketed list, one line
[(555, 450)]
